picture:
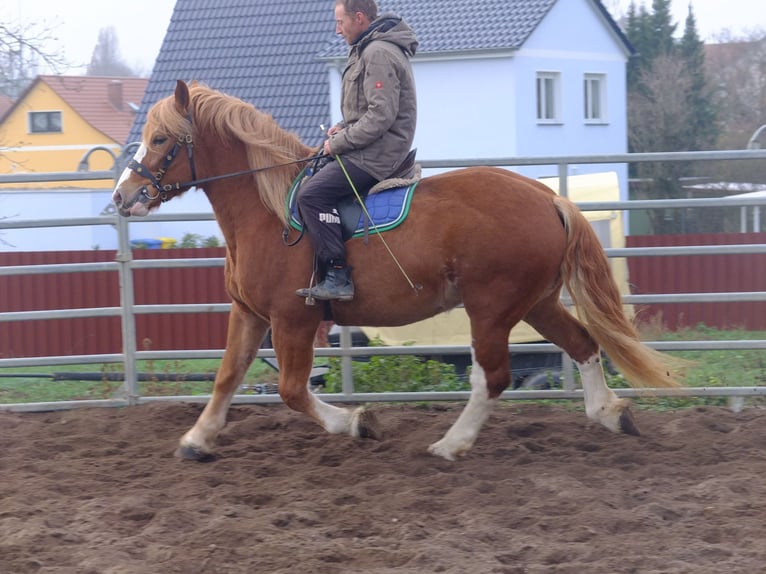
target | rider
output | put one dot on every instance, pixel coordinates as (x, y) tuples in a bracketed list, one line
[(373, 140)]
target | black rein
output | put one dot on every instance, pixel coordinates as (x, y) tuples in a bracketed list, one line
[(162, 191)]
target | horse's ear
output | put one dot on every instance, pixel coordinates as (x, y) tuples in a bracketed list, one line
[(182, 97)]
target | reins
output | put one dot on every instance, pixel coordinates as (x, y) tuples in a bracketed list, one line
[(187, 140), (178, 186), (163, 190)]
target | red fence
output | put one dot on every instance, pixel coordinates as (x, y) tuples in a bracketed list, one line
[(701, 274), (102, 335)]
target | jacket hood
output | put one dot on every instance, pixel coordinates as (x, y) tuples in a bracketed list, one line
[(390, 28)]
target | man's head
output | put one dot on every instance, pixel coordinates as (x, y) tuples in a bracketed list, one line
[(352, 17)]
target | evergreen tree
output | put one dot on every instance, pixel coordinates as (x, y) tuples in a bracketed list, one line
[(670, 106), (637, 31), (663, 29), (702, 130)]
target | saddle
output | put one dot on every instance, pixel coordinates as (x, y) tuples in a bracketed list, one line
[(388, 202)]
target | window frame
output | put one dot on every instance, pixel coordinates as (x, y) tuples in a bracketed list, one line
[(547, 88), (51, 126), (600, 100)]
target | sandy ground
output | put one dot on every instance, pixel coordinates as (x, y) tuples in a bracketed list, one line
[(97, 491)]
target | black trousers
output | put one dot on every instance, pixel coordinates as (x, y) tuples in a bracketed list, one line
[(317, 201)]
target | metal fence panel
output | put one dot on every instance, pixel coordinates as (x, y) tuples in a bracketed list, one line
[(105, 292)]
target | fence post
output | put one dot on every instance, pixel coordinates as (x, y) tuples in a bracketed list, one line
[(346, 368), (127, 315)]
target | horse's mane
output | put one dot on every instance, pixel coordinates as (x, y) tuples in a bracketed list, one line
[(231, 119)]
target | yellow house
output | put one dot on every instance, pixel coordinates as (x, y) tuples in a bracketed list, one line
[(58, 119)]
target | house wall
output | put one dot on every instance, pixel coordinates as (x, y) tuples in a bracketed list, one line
[(484, 105), (24, 152), (573, 40)]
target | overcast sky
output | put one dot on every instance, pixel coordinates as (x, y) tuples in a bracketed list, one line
[(140, 25)]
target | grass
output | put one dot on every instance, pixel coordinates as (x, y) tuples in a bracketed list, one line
[(714, 368), (727, 368), (165, 378)]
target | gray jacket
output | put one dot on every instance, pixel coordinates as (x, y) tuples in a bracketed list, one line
[(378, 100)]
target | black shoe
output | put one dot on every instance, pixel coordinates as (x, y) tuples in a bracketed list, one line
[(336, 286)]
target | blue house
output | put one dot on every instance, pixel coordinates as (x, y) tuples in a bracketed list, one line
[(494, 78)]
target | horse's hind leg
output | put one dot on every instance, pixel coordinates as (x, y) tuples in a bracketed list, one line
[(557, 325), (244, 336), (490, 376)]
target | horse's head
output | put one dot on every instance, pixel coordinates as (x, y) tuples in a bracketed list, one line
[(156, 174)]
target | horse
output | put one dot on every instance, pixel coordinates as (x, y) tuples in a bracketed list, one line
[(501, 244)]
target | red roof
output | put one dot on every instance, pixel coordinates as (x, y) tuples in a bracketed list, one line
[(5, 104), (106, 103)]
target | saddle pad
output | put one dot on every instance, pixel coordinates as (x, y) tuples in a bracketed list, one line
[(387, 209)]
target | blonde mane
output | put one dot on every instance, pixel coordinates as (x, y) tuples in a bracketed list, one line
[(232, 119)]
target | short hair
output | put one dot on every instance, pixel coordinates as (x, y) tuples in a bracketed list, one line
[(367, 7)]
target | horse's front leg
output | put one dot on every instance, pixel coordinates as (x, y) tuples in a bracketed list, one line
[(244, 336), (294, 348)]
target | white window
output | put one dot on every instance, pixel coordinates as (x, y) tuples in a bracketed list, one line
[(44, 122), (548, 97), (594, 86)]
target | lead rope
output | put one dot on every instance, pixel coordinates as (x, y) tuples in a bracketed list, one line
[(415, 288)]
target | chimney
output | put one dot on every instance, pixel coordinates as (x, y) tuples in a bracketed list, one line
[(114, 90)]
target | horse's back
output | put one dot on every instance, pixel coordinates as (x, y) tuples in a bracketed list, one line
[(488, 200), (488, 189)]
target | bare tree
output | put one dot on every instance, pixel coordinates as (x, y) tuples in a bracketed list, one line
[(657, 118), (737, 68), (22, 52), (106, 60)]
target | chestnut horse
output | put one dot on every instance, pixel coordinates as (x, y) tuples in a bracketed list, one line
[(501, 244)]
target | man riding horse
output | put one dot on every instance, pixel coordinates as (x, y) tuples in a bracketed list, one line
[(373, 141)]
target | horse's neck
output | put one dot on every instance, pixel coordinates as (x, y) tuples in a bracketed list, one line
[(238, 207), (239, 210)]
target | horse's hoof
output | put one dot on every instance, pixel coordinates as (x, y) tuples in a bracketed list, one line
[(628, 423), (186, 452), (438, 449), (365, 424)]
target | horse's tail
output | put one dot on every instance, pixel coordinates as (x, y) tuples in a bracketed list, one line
[(589, 280)]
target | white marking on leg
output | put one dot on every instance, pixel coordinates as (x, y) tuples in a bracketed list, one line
[(205, 430), (601, 403), (334, 419), (461, 436)]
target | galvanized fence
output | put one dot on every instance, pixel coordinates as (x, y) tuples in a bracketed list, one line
[(124, 265)]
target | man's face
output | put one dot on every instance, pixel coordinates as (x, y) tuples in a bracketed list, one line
[(350, 26)]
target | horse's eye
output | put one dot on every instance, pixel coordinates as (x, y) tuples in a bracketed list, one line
[(159, 140)]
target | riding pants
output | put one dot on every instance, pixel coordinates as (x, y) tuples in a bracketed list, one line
[(317, 202)]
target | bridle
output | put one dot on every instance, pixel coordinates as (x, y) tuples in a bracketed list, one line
[(163, 191)]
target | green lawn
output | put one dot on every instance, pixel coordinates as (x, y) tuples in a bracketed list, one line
[(165, 378)]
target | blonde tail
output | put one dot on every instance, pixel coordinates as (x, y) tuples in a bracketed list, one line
[(589, 280)]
